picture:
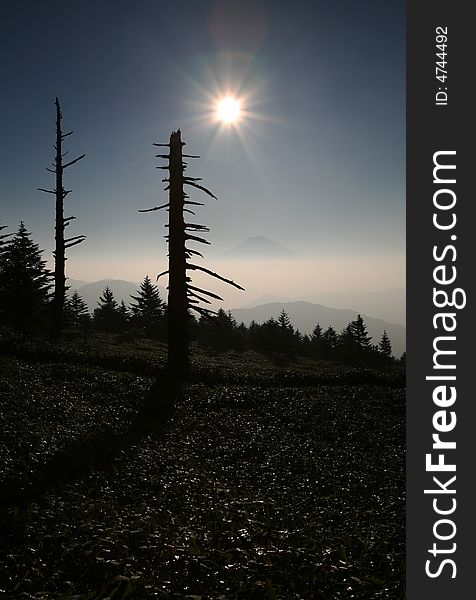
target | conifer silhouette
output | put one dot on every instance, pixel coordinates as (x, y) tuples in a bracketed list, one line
[(61, 244), (183, 296), (385, 346), (107, 315), (24, 283), (148, 310), (76, 308)]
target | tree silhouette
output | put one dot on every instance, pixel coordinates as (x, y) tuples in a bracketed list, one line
[(148, 310), (61, 244), (24, 283), (317, 344), (3, 237), (359, 331), (107, 316), (76, 309), (183, 296), (385, 346), (330, 340)]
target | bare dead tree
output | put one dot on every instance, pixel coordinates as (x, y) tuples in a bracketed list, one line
[(183, 296), (61, 222)]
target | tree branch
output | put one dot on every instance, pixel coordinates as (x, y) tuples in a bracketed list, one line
[(74, 161), (155, 208), (199, 298), (207, 293), (229, 281), (74, 243), (196, 239), (200, 187)]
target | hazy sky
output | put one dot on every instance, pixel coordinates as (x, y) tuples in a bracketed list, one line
[(317, 162)]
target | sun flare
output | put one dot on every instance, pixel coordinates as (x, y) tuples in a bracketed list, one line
[(228, 110)]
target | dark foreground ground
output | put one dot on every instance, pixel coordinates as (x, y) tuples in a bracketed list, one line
[(267, 483)]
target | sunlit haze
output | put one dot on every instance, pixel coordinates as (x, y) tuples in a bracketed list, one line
[(297, 116)]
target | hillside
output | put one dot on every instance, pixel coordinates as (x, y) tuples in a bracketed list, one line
[(305, 315)]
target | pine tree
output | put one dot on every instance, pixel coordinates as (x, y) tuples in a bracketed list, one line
[(347, 344), (24, 283), (77, 309), (107, 316), (385, 346), (3, 237), (317, 344), (148, 310), (284, 322), (330, 341), (124, 312), (359, 332)]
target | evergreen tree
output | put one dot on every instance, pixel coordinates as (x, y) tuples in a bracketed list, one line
[(385, 346), (124, 312), (3, 237), (76, 309), (287, 341), (107, 316), (148, 310), (348, 347), (317, 343), (359, 332), (24, 283), (330, 340), (284, 322)]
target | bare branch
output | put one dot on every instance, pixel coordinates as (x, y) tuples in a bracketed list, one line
[(196, 239), (194, 203), (155, 208), (188, 210), (229, 281), (207, 293), (190, 156), (200, 187), (51, 170), (193, 252), (63, 135), (162, 156), (193, 178), (160, 274), (74, 161), (76, 237), (47, 191), (199, 298), (74, 243), (206, 312), (194, 227), (168, 145)]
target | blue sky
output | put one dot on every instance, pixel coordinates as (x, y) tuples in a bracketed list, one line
[(316, 164)]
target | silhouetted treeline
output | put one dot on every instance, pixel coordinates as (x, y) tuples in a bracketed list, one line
[(26, 306)]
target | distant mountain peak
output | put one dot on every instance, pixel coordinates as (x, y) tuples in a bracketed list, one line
[(260, 246)]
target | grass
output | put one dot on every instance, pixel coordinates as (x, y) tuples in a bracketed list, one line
[(268, 482)]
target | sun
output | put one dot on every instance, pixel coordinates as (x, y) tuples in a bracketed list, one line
[(228, 110)]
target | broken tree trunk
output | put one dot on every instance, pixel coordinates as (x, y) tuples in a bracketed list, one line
[(182, 295), (177, 301), (61, 244)]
